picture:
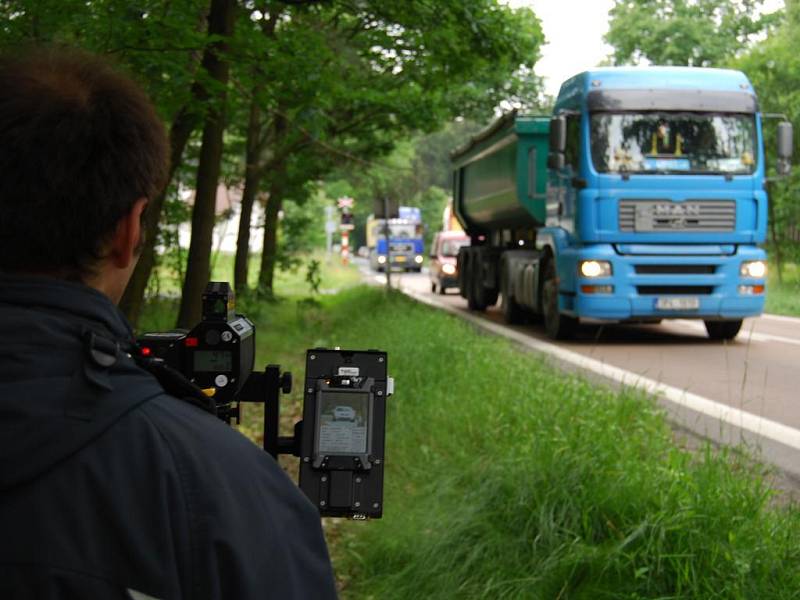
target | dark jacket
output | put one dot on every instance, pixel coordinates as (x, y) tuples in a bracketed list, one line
[(110, 488)]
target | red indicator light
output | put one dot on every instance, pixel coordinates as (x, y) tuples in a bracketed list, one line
[(146, 351), (758, 289), (191, 342)]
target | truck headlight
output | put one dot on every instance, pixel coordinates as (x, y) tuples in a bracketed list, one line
[(594, 268), (418, 260), (449, 269), (381, 259), (756, 269)]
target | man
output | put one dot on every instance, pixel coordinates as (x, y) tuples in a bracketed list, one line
[(110, 487)]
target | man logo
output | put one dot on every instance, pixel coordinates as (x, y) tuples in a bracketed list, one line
[(676, 210)]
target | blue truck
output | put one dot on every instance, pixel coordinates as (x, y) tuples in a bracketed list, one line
[(405, 247), (641, 198)]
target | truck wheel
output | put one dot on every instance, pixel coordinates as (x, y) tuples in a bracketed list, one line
[(723, 330), (557, 326), (442, 289), (475, 299), (433, 287), (513, 313)]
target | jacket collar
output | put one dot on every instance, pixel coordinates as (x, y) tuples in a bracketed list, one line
[(77, 299)]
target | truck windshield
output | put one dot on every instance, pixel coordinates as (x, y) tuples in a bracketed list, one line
[(401, 231), (656, 142)]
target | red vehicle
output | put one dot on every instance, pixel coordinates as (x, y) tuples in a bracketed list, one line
[(444, 252)]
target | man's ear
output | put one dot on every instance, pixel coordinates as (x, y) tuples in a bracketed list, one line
[(127, 237)]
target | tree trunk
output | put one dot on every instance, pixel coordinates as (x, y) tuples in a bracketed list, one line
[(220, 22), (184, 123), (269, 252), (254, 173), (132, 301), (252, 179)]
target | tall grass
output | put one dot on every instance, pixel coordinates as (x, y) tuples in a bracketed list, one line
[(509, 479), (783, 298)]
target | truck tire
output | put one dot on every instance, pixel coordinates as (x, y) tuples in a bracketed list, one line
[(513, 313), (557, 325), (475, 299), (481, 295), (433, 287), (723, 330)]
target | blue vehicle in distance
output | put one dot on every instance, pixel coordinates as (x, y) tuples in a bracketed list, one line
[(405, 249), (641, 198)]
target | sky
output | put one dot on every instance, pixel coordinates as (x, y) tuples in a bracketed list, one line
[(574, 31)]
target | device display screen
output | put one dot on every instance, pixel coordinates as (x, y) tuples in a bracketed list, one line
[(343, 422), (213, 361)]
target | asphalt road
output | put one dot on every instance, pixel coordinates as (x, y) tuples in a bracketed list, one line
[(747, 390)]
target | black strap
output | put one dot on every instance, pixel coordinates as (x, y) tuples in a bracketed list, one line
[(174, 382)]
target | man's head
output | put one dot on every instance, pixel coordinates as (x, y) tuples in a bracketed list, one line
[(82, 150)]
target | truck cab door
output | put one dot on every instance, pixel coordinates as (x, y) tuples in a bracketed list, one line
[(562, 195)]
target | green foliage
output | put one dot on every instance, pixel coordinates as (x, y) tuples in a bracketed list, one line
[(431, 203), (699, 33), (774, 68), (783, 295)]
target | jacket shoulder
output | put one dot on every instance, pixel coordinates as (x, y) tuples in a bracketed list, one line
[(253, 532)]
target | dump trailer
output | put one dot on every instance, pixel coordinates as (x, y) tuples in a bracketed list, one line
[(641, 198)]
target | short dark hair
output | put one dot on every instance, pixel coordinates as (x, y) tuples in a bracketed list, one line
[(79, 143)]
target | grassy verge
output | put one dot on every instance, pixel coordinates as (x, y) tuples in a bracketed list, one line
[(508, 479), (784, 298)]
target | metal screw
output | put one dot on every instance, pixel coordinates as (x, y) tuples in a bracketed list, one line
[(324, 479), (357, 504), (377, 461), (322, 502), (310, 390), (312, 357), (380, 359), (376, 505), (358, 479), (306, 459), (380, 393)]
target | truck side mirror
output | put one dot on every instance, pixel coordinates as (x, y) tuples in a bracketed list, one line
[(785, 140), (558, 134), (785, 147)]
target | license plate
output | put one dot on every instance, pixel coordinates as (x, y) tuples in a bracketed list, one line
[(678, 303), (400, 258)]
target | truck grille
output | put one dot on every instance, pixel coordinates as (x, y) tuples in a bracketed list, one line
[(654, 290), (401, 247), (674, 269), (665, 215)]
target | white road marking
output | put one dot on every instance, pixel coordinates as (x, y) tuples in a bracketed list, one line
[(766, 428), (782, 318), (746, 333)]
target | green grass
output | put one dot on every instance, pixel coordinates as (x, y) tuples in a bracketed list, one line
[(508, 479), (784, 298)]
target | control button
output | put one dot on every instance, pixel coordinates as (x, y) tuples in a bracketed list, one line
[(221, 380), (227, 336), (212, 337)]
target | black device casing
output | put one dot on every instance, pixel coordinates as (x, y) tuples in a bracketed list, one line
[(352, 485)]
